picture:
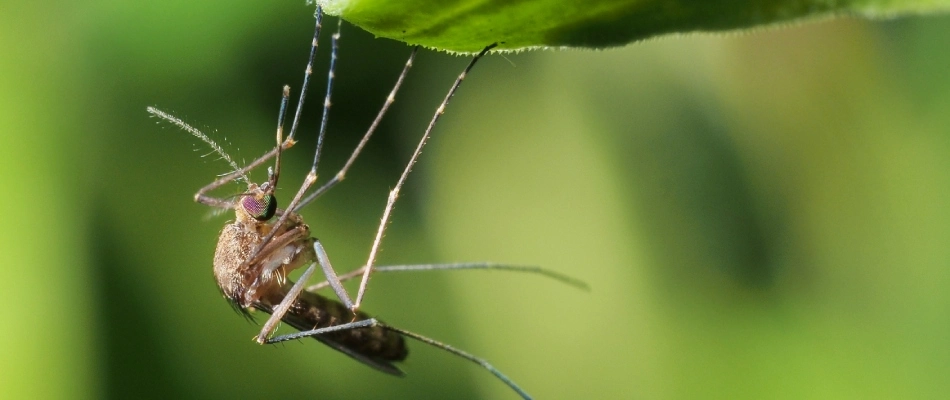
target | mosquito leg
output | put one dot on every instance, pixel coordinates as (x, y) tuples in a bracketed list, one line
[(394, 194), (569, 280), (372, 322), (342, 278), (330, 274), (369, 133), (295, 233), (318, 15), (461, 266), (282, 308), (275, 174), (312, 175), (480, 361), (366, 323), (326, 100)]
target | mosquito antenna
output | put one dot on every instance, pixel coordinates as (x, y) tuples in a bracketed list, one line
[(198, 134), (272, 180), (394, 194), (202, 197)]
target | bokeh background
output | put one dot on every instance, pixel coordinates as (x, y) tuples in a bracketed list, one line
[(759, 215)]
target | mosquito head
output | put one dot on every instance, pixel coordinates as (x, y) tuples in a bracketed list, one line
[(259, 202)]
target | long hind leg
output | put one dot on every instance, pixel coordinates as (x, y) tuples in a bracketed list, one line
[(565, 279), (372, 322), (394, 194)]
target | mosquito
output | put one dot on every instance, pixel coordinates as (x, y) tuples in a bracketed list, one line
[(256, 252)]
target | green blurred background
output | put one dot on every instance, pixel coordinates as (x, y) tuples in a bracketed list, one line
[(760, 215)]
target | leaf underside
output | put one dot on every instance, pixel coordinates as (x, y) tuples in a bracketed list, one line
[(466, 26)]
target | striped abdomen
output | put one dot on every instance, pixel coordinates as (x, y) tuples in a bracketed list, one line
[(374, 346)]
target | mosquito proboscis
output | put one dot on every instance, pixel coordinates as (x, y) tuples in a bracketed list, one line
[(256, 252)]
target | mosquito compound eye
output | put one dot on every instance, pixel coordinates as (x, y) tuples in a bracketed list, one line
[(261, 208)]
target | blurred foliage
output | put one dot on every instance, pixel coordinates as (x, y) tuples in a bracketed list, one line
[(760, 216), (469, 25)]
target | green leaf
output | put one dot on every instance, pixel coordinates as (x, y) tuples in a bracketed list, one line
[(469, 25)]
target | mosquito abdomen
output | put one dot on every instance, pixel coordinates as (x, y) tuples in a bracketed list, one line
[(312, 311)]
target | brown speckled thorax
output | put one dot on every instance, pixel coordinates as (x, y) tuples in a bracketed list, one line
[(244, 283), (261, 283)]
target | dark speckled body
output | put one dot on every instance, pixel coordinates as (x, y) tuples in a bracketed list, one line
[(262, 284), (312, 311)]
